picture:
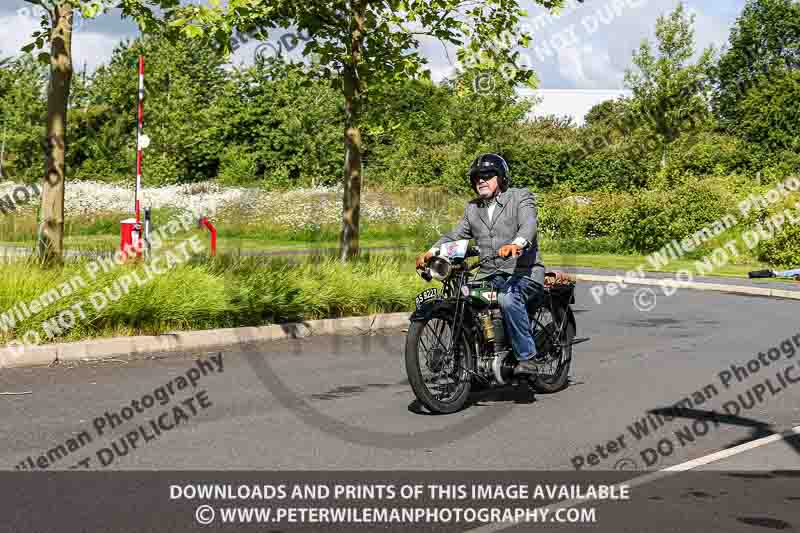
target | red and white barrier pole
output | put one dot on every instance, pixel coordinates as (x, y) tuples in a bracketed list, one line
[(131, 230), (137, 193)]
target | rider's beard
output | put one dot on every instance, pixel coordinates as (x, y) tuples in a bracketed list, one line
[(487, 193)]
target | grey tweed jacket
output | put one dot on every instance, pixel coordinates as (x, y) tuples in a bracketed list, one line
[(514, 216)]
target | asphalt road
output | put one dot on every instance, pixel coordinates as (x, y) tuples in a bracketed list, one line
[(344, 402)]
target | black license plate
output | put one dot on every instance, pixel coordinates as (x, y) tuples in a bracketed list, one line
[(427, 294)]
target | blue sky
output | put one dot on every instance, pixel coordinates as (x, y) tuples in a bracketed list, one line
[(580, 56)]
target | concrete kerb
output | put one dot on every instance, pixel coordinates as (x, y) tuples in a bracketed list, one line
[(694, 285), (217, 338), (195, 340)]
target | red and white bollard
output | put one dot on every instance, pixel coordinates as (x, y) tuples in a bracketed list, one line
[(129, 242)]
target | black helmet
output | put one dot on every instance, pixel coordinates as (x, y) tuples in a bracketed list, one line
[(490, 165)]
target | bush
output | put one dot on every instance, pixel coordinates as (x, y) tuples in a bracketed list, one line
[(783, 250), (410, 163), (557, 217), (645, 225), (610, 169), (779, 165), (602, 217), (769, 114), (162, 169), (237, 166), (581, 217), (569, 246), (654, 218), (708, 154), (539, 164)]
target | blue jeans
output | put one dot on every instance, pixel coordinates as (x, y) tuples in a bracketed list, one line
[(513, 294)]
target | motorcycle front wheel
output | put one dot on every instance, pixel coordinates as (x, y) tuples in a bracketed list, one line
[(439, 378)]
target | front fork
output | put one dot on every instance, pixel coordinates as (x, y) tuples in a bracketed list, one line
[(458, 325)]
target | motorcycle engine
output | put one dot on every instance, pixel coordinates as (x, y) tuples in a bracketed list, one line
[(501, 341), (503, 367), (500, 362)]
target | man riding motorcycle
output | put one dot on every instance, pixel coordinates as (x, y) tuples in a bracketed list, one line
[(504, 219)]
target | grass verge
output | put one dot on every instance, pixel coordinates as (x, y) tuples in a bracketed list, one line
[(226, 291), (202, 293)]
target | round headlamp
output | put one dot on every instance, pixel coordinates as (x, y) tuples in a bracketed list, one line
[(440, 268)]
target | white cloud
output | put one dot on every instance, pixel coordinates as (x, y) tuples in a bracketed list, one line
[(571, 102), (15, 32), (90, 48), (588, 68), (710, 30), (591, 43), (441, 58), (612, 30), (93, 49)]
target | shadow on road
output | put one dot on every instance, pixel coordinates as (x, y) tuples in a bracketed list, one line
[(519, 395), (482, 396), (759, 429)]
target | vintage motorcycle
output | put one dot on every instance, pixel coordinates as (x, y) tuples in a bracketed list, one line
[(457, 339)]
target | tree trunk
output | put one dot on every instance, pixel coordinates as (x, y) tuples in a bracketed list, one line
[(353, 89), (50, 244)]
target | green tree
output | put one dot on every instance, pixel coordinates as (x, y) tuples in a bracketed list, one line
[(770, 113), (607, 124), (22, 114), (606, 113), (363, 44), (764, 41), (183, 83), (420, 132), (279, 126), (670, 92)]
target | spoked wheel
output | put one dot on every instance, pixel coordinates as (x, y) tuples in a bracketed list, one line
[(438, 378), (554, 373)]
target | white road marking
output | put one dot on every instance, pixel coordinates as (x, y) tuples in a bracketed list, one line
[(654, 476)]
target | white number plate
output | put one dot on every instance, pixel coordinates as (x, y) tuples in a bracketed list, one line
[(426, 295)]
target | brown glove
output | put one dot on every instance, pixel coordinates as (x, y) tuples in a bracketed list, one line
[(510, 249), (422, 259)]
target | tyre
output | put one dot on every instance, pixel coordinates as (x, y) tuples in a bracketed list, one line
[(554, 375), (440, 381)]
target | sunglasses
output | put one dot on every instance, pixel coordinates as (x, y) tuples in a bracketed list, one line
[(486, 179)]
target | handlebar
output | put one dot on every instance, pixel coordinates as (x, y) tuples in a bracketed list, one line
[(481, 262), (472, 251)]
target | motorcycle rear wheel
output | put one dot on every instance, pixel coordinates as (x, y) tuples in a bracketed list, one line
[(424, 354), (556, 370)]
